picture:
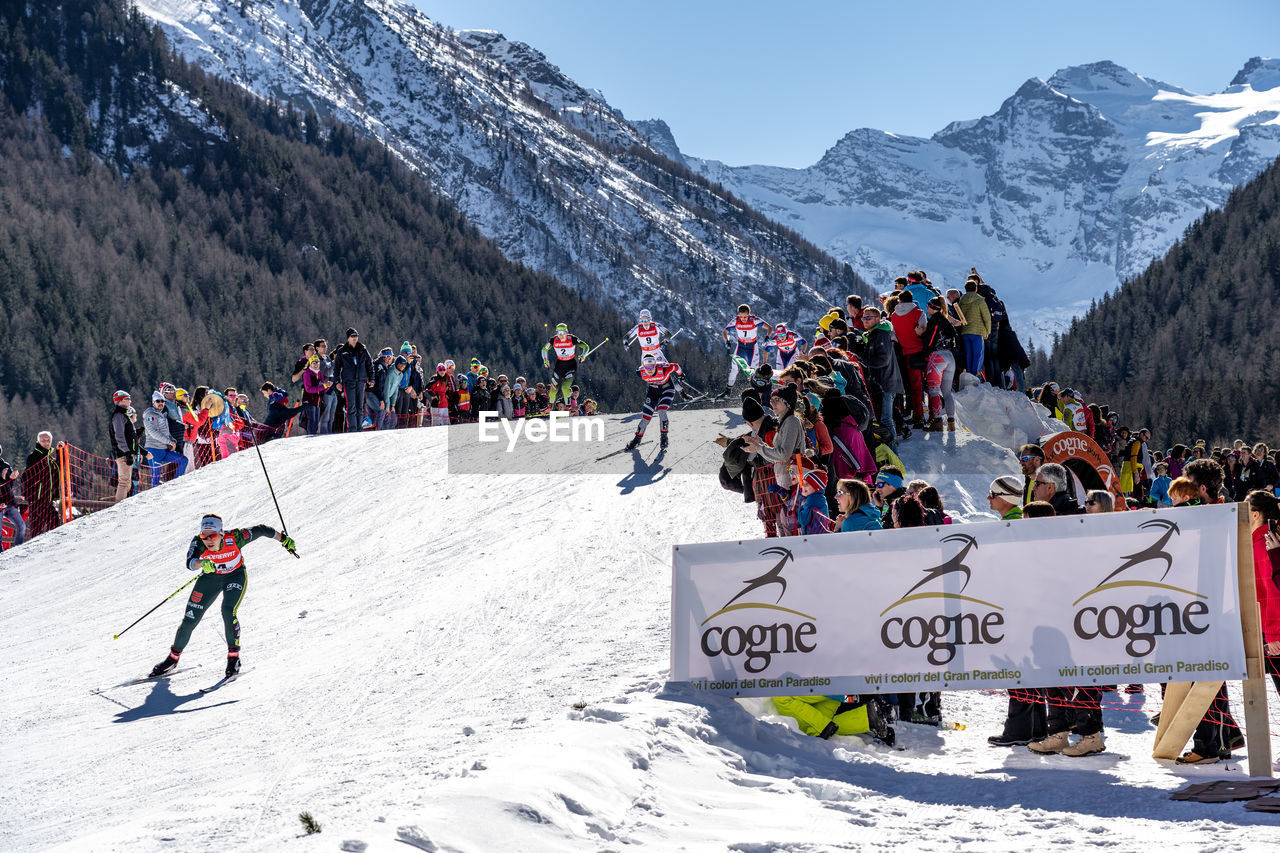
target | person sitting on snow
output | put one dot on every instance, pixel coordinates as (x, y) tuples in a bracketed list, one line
[(825, 716)]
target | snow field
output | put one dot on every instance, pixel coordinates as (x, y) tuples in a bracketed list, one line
[(470, 660)]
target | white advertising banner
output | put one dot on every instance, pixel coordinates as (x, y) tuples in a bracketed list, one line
[(1125, 597)]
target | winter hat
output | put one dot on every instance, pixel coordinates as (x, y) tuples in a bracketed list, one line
[(120, 396), (211, 524), (1006, 487), (351, 331), (440, 367), (387, 352), (401, 360), (817, 479), (157, 397), (406, 347), (751, 409), (788, 394)]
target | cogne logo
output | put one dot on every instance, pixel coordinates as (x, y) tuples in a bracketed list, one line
[(942, 633), (759, 642), (1142, 622)]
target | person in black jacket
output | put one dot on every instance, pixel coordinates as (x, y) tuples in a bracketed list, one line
[(1052, 486), (353, 369), (40, 485), (278, 412), (123, 440), (882, 368)]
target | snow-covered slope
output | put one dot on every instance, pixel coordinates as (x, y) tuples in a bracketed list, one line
[(558, 178), (471, 660), (1075, 184)]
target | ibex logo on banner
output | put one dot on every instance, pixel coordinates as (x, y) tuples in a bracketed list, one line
[(759, 642), (1142, 623), (942, 633)]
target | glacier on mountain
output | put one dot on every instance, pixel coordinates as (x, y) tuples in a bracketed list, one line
[(1075, 184)]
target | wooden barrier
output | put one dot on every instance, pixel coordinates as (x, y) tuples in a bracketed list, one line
[(1185, 703)]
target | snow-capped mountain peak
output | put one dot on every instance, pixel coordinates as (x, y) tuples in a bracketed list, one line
[(1074, 184), (1258, 74), (542, 165)]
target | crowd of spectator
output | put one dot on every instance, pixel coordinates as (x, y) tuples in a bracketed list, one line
[(819, 457), (350, 390)]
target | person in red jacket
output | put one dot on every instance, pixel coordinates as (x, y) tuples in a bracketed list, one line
[(1264, 524), (908, 324)]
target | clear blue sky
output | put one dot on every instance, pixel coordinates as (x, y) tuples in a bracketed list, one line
[(779, 83)]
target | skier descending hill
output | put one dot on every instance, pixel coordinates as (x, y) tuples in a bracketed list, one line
[(663, 379), (216, 554), (566, 347), (787, 344), (747, 348), (650, 335)]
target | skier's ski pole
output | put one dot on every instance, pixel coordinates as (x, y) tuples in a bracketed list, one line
[(671, 340), (284, 528), (157, 607), (594, 348)]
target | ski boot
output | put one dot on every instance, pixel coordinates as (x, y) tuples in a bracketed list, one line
[(662, 440), (634, 442), (878, 717), (728, 389), (165, 665), (233, 660)]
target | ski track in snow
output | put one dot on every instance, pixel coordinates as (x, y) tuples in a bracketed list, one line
[(470, 660)]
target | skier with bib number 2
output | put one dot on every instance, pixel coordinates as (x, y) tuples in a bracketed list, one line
[(216, 554), (566, 348)]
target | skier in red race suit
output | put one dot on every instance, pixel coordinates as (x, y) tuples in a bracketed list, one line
[(216, 554), (663, 379)]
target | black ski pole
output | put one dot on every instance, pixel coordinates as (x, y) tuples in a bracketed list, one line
[(157, 607), (284, 528)]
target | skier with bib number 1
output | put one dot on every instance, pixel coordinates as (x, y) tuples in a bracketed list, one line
[(216, 554)]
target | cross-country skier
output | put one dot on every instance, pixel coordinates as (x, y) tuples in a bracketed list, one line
[(216, 554), (787, 344), (566, 347), (663, 379), (747, 345), (650, 335)]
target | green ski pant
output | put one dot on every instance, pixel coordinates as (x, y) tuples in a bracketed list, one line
[(562, 380), (814, 712), (232, 586)]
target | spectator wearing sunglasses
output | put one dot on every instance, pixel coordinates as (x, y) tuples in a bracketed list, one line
[(1005, 498), (1030, 457), (857, 510), (888, 488), (1099, 500), (1051, 485)]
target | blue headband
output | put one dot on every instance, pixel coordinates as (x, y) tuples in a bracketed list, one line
[(888, 478)]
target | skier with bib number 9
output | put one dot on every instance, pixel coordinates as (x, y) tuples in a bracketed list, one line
[(216, 554)]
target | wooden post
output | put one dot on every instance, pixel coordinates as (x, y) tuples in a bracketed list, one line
[(1184, 707), (1257, 726)]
